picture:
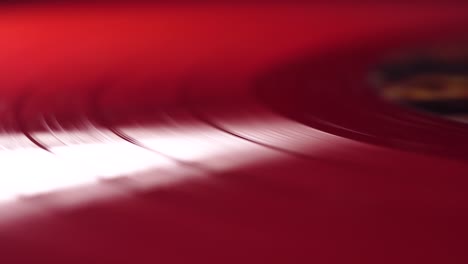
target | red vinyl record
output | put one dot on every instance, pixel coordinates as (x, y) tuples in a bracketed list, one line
[(234, 133)]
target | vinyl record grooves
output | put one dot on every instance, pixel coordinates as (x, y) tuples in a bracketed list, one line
[(221, 134), (337, 79)]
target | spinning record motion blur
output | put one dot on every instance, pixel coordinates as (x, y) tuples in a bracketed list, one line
[(260, 133)]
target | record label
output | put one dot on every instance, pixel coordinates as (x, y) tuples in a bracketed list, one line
[(433, 81)]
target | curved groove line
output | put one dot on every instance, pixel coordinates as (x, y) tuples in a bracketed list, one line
[(185, 98), (95, 110), (17, 110), (45, 122), (247, 181)]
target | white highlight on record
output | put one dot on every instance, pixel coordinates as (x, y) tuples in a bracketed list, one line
[(28, 171)]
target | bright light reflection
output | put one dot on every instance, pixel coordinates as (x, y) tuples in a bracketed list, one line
[(33, 171), (27, 170)]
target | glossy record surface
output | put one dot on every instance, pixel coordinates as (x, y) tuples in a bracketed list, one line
[(223, 134)]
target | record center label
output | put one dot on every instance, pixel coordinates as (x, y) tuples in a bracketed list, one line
[(433, 81)]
